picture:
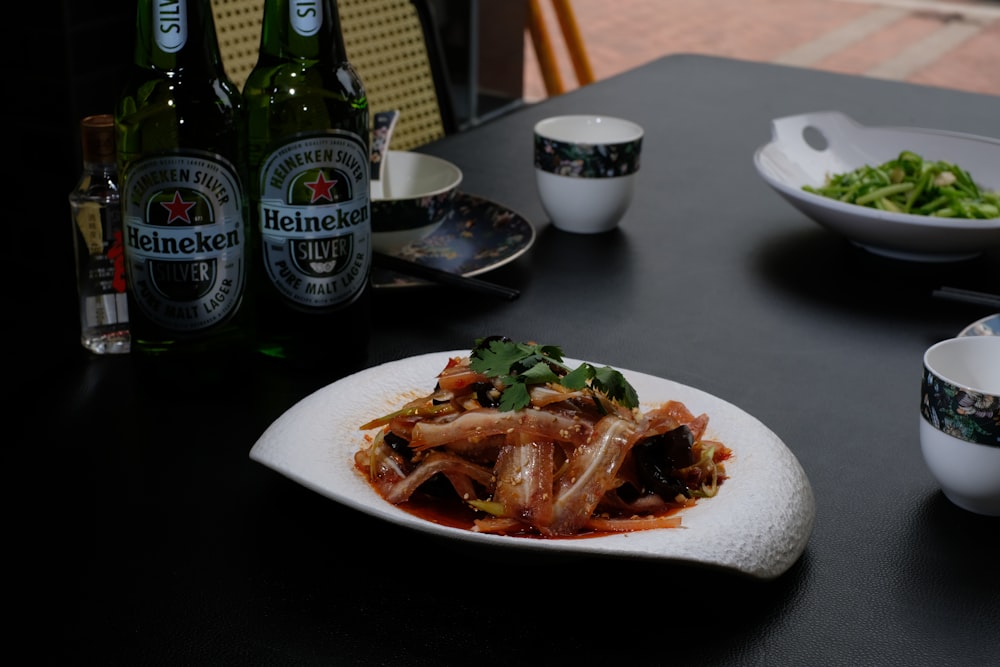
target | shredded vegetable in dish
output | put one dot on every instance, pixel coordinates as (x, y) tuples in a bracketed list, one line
[(911, 184), (524, 445)]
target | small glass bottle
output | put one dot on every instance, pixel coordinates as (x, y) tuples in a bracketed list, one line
[(97, 242)]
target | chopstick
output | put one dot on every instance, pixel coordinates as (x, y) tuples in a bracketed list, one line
[(967, 296), (407, 267)]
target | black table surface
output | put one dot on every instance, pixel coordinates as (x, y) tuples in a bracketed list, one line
[(149, 537)]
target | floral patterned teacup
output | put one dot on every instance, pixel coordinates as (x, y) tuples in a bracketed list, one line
[(960, 420), (585, 168)]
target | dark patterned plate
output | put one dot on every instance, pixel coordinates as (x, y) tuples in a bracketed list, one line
[(477, 236)]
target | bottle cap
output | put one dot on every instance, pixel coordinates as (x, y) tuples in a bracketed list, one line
[(97, 134)]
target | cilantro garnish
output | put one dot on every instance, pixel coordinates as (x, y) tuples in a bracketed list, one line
[(519, 365)]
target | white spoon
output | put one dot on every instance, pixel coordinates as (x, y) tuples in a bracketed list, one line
[(384, 123)]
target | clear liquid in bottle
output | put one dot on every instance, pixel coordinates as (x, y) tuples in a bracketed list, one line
[(97, 242)]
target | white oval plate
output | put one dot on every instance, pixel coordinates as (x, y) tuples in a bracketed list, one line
[(791, 161), (758, 524)]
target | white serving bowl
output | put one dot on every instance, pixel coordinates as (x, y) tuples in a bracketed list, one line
[(960, 420), (585, 169), (412, 199), (805, 149)]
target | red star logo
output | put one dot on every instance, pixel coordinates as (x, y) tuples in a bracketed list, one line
[(178, 209), (321, 188)]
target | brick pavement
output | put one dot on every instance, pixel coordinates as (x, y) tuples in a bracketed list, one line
[(948, 43)]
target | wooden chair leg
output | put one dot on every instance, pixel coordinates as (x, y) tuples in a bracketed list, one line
[(574, 41), (543, 50)]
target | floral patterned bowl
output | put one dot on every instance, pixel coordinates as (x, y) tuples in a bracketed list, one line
[(960, 420), (585, 168), (415, 196)]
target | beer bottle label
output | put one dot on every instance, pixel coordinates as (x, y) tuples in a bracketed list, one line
[(315, 219), (306, 16), (170, 25), (185, 244)]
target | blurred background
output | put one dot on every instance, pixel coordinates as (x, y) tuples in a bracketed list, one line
[(946, 43)]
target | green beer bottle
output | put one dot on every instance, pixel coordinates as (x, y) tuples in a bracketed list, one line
[(307, 116), (181, 150)]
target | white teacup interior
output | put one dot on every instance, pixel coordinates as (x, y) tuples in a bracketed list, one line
[(589, 129), (969, 362)]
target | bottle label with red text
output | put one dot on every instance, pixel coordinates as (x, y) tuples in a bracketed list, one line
[(315, 219), (185, 239)]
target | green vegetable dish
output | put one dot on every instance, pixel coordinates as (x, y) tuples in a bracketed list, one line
[(911, 184)]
